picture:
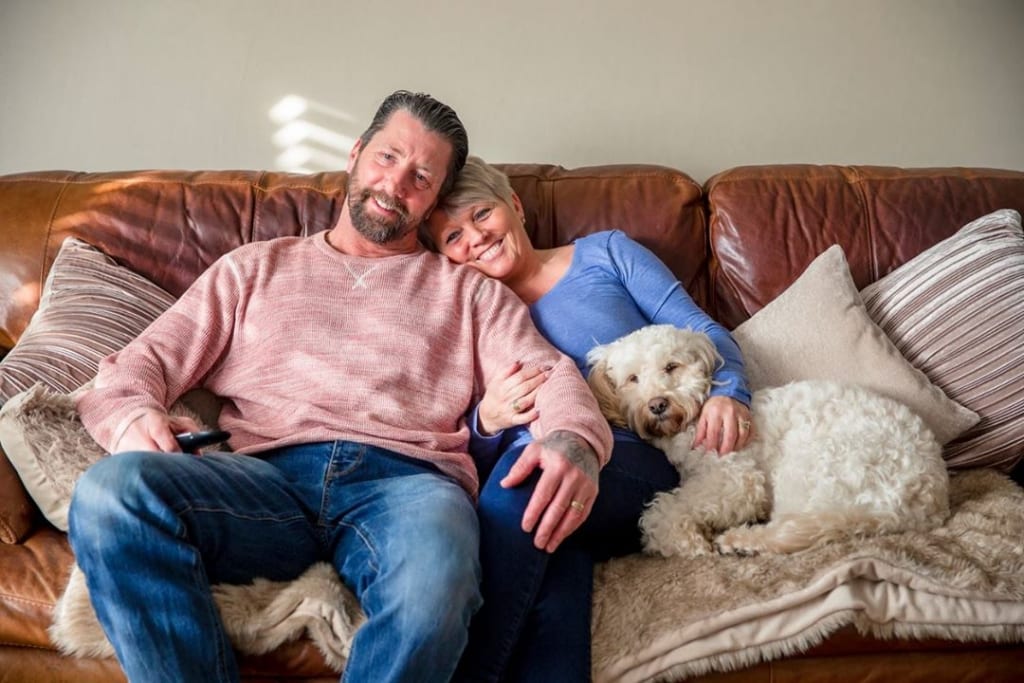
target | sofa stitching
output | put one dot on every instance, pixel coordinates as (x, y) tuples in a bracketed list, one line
[(8, 532), (731, 176), (254, 225), (215, 183), (27, 601), (857, 184), (28, 645), (677, 177), (49, 232)]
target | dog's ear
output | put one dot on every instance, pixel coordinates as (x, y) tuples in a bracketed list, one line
[(604, 391)]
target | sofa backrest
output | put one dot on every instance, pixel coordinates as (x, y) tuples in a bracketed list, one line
[(171, 225), (767, 223), (735, 245)]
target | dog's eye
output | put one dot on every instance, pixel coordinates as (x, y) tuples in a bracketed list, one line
[(632, 379), (671, 367)]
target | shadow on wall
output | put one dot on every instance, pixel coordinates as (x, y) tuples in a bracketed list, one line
[(308, 135)]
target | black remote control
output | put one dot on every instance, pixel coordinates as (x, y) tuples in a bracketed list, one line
[(190, 442)]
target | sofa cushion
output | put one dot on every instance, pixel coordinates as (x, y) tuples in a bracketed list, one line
[(90, 307), (956, 311), (818, 328), (106, 305), (50, 448)]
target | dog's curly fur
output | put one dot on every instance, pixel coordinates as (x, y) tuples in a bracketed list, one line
[(826, 460)]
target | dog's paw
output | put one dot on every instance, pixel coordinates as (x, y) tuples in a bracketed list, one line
[(737, 541), (688, 545)]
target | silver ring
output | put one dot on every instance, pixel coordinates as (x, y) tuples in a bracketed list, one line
[(744, 425), (515, 405), (576, 505)]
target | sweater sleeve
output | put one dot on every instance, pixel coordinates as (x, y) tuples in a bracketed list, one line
[(482, 447), (170, 357), (506, 334), (662, 298)]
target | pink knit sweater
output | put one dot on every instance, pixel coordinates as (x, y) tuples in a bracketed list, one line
[(307, 344)]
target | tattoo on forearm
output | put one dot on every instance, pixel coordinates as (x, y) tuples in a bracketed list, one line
[(576, 449)]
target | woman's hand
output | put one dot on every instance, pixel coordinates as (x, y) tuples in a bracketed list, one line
[(510, 399), (724, 425)]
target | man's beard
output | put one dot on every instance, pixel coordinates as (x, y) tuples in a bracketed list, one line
[(377, 229)]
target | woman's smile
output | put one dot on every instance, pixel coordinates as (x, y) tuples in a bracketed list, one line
[(491, 252)]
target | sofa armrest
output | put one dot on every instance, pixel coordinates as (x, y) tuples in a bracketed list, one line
[(17, 510)]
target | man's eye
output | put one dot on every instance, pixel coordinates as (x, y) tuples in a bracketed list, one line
[(422, 181)]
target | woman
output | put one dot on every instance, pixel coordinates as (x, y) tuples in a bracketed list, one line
[(535, 622)]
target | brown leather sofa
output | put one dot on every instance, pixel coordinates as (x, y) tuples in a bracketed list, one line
[(735, 243)]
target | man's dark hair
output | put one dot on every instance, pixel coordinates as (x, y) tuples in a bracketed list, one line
[(435, 116)]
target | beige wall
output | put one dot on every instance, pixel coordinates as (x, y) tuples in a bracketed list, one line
[(123, 84)]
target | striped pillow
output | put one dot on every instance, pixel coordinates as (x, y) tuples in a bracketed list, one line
[(956, 311), (89, 308)]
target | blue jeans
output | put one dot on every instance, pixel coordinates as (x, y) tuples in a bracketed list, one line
[(153, 531), (534, 625)]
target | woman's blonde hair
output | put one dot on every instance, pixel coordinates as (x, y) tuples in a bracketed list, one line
[(477, 182)]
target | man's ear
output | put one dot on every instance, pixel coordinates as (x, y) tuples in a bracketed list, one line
[(354, 154)]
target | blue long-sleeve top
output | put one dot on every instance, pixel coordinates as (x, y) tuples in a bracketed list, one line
[(614, 286)]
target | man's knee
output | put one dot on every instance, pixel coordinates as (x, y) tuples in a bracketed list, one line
[(106, 482), (107, 495)]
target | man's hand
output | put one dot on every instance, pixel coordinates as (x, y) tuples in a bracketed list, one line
[(566, 490), (154, 431), (724, 425)]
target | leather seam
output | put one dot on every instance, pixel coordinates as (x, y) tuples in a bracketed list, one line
[(27, 601)]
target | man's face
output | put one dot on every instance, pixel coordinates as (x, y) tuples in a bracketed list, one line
[(395, 179)]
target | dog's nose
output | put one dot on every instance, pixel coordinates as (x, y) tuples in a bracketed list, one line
[(657, 406)]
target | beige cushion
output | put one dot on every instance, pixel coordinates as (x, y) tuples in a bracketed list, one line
[(956, 311), (819, 329), (49, 447), (90, 307)]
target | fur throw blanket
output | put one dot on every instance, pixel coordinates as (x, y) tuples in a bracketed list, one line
[(654, 618), (258, 617), (666, 619)]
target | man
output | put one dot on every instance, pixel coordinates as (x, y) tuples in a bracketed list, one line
[(347, 361)]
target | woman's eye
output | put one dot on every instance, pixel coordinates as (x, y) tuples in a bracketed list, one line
[(481, 214), (452, 236)]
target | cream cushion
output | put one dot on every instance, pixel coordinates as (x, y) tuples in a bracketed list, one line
[(818, 328)]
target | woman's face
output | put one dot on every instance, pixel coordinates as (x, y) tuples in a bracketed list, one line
[(488, 236)]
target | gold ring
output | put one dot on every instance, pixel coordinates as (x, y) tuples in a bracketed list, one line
[(576, 505), (744, 425), (515, 405)]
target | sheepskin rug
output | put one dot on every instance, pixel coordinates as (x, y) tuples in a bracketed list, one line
[(664, 619)]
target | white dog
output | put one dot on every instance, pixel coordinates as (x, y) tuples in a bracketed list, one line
[(825, 460)]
